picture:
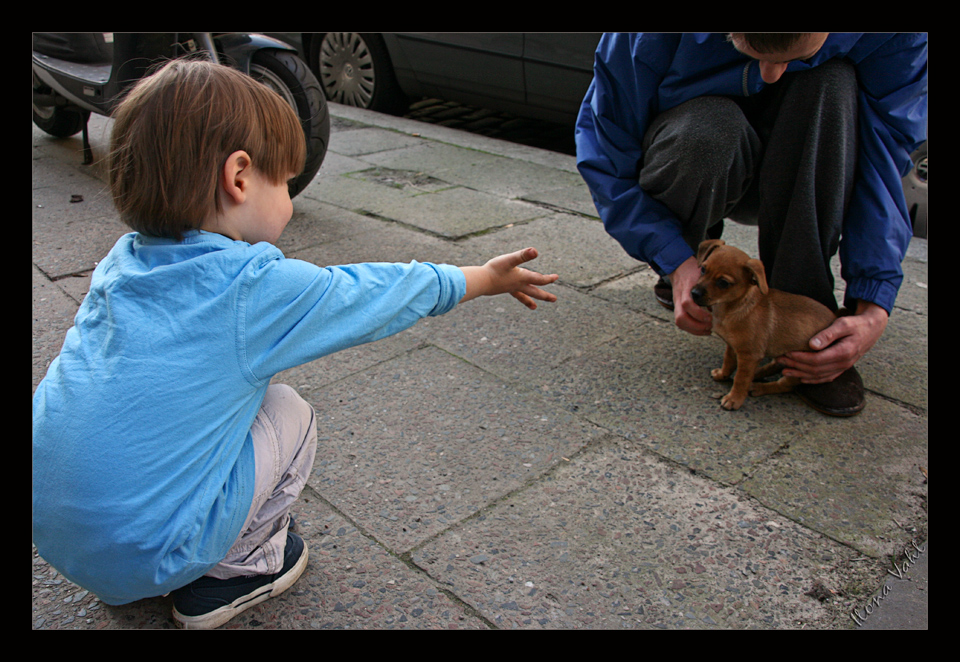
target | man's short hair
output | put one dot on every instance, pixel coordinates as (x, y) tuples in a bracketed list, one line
[(768, 42)]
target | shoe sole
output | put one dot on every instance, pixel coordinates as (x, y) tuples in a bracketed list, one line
[(666, 303), (663, 295), (218, 617), (836, 412)]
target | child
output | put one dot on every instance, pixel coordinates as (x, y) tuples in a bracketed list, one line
[(163, 461)]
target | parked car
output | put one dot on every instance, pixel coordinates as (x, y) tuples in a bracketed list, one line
[(530, 74), (540, 75)]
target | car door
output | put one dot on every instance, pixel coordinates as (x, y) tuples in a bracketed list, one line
[(466, 66), (558, 68)]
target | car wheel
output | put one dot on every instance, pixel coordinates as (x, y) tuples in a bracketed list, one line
[(915, 191), (354, 69)]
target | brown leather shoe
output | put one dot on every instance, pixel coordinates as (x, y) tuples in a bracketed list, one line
[(663, 291), (841, 397)]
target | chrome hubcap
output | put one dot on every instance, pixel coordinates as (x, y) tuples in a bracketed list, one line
[(346, 69)]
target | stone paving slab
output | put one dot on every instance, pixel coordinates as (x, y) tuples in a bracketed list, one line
[(481, 171), (418, 443), (349, 237), (666, 400), (575, 247), (350, 582), (903, 602), (53, 312), (432, 211), (574, 198), (860, 481), (615, 538), (70, 237), (787, 452), (506, 339), (368, 140)]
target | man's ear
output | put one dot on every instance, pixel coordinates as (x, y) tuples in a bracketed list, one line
[(234, 176)]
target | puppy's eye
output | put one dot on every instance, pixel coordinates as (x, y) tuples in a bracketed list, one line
[(702, 271), (722, 284)]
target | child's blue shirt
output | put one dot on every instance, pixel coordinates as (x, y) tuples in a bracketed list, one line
[(143, 464)]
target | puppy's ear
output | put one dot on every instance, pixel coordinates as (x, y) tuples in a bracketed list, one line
[(706, 247), (757, 274)]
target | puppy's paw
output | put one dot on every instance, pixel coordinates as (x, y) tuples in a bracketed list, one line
[(782, 385), (719, 375), (732, 401)]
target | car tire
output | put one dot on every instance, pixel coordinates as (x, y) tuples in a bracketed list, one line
[(915, 191), (354, 69)]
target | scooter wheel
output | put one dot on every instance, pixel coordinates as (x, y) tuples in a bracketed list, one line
[(58, 121), (290, 77)]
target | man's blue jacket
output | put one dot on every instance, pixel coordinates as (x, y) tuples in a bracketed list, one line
[(638, 76)]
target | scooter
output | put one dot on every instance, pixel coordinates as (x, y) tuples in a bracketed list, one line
[(75, 74)]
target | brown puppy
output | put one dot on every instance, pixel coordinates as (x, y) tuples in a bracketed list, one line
[(754, 320)]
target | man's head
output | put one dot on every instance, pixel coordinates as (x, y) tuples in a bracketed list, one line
[(775, 50)]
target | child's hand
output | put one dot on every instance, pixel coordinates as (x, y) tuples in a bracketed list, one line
[(504, 274)]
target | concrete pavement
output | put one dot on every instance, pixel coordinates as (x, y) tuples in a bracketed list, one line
[(564, 468)]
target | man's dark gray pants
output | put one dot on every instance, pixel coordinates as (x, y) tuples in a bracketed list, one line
[(783, 159)]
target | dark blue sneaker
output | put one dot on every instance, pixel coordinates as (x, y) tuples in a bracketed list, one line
[(208, 603)]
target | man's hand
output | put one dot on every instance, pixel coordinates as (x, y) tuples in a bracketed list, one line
[(686, 314), (504, 275), (838, 347)]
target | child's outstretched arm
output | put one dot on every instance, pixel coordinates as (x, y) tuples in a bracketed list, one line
[(504, 274)]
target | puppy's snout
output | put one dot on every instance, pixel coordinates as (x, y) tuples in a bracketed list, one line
[(698, 293)]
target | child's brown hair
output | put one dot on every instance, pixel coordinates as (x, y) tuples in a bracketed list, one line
[(173, 133)]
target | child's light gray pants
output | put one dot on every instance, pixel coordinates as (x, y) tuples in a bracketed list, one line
[(285, 443)]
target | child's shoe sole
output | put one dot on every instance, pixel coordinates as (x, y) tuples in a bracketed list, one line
[(199, 598)]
